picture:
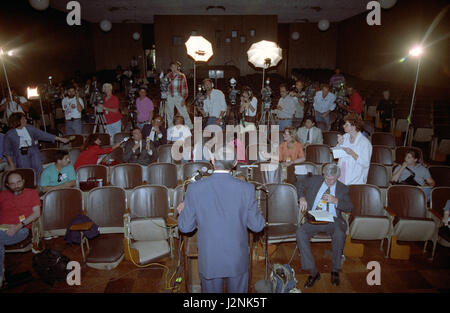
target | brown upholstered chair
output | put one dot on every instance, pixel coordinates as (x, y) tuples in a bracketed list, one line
[(441, 175), (48, 156), (400, 153), (126, 176), (382, 155), (162, 174), (190, 168), (120, 136), (165, 153), (77, 142), (368, 220), (177, 197), (92, 171), (267, 173), (318, 154), (383, 139), (146, 233), (59, 208), (330, 138), (28, 175), (379, 176), (439, 198), (106, 207), (292, 177), (105, 139), (412, 221)]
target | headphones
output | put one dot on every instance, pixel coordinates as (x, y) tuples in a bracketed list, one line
[(208, 79)]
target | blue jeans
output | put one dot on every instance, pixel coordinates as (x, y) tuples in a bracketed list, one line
[(284, 123), (73, 127), (6, 240), (113, 129), (213, 121), (325, 120)]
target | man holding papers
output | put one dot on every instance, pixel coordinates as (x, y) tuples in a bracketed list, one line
[(330, 197)]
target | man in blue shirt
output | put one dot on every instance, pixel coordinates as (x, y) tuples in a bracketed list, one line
[(324, 104), (58, 175)]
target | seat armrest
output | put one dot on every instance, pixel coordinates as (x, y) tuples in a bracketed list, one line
[(82, 226), (435, 213)]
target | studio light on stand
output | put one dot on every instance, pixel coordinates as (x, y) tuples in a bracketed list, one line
[(416, 52), (33, 94), (4, 53), (200, 49), (264, 54)]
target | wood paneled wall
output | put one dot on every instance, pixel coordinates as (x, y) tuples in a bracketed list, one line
[(373, 52), (215, 29), (117, 46)]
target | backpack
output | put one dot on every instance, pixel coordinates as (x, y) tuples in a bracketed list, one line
[(51, 265), (74, 236), (283, 279)]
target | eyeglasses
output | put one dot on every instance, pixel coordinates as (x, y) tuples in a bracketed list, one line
[(158, 121), (59, 177)]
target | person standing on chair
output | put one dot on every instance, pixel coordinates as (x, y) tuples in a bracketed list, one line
[(222, 208), (323, 193), (72, 106), (178, 93)]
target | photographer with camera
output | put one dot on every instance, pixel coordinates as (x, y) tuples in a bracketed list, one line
[(144, 106), (214, 104), (298, 92), (72, 106), (286, 108), (14, 105), (111, 111), (248, 109), (178, 93)]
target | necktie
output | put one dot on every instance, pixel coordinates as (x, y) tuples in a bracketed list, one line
[(307, 137), (322, 203), (327, 192)]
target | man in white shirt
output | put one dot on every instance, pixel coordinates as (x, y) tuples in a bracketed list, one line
[(324, 104), (214, 104), (17, 104), (286, 108), (309, 134), (300, 94), (72, 106)]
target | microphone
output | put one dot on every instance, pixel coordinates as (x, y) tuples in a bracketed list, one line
[(196, 176)]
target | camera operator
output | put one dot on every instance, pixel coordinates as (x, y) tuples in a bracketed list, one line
[(111, 111), (144, 106), (214, 104), (354, 100), (14, 105), (286, 108), (300, 94), (72, 106), (178, 93), (248, 109)]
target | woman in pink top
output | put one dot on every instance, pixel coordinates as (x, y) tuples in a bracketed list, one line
[(144, 106)]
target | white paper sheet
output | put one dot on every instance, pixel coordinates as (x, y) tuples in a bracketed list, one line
[(322, 215), (339, 153), (301, 170)]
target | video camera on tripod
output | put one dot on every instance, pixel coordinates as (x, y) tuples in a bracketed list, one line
[(340, 93), (97, 99), (266, 96), (164, 85), (200, 96), (233, 93)]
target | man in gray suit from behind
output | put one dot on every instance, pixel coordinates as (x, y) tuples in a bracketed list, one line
[(338, 201), (222, 208)]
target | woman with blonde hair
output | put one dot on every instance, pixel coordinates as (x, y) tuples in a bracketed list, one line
[(291, 150), (111, 111)]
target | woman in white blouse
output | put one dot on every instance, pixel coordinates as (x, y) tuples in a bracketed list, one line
[(355, 164), (248, 109)]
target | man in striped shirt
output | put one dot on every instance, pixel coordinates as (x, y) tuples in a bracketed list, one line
[(178, 93)]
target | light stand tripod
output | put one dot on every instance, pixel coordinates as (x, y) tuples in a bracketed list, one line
[(99, 121), (267, 115)]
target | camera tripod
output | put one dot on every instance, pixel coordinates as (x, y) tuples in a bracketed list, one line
[(99, 121), (162, 110), (130, 118), (267, 117), (234, 111)]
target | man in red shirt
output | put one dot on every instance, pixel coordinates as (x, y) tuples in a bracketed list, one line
[(19, 207), (178, 93), (355, 99)]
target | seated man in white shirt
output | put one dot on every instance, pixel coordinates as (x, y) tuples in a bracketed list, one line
[(214, 104), (309, 133), (286, 108), (324, 104), (179, 132), (72, 106), (17, 104)]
